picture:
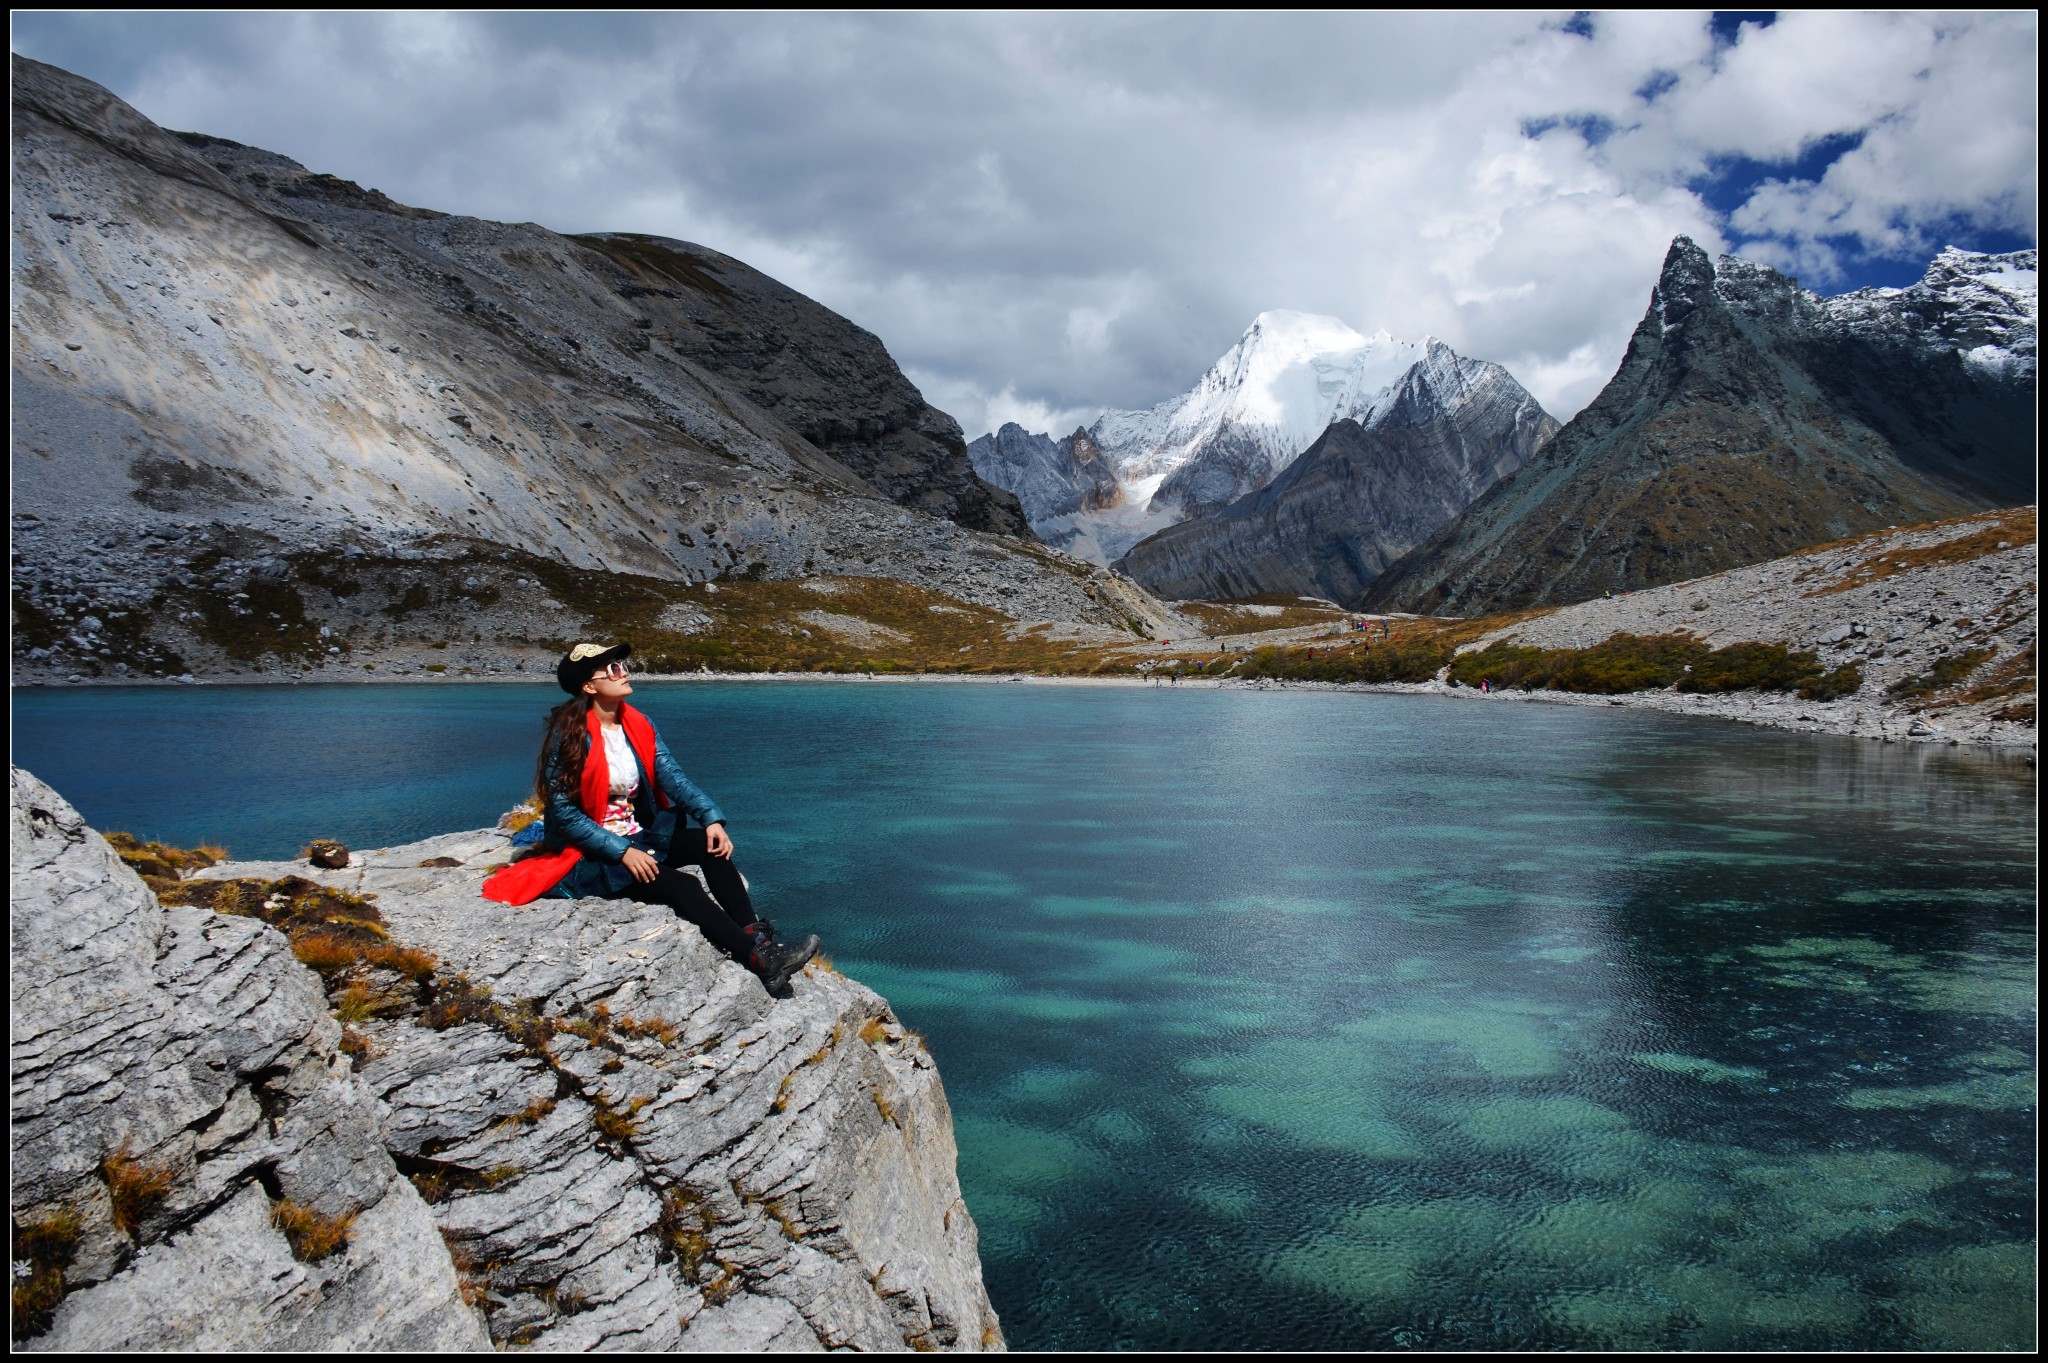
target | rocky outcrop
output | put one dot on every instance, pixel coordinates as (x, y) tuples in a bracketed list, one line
[(220, 354), (177, 1089), (1749, 419), (1051, 478), (609, 1136), (1361, 496)]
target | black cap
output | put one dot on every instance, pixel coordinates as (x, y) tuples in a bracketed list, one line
[(585, 661)]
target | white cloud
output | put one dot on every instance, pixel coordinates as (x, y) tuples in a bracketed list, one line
[(1043, 215)]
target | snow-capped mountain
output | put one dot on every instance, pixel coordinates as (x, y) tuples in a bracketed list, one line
[(1984, 307), (1750, 418), (1269, 398)]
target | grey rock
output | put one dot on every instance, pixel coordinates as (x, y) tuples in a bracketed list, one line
[(197, 1045)]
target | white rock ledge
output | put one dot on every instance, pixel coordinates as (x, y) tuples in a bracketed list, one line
[(788, 1180)]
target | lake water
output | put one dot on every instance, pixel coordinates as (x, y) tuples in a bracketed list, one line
[(1319, 1020)]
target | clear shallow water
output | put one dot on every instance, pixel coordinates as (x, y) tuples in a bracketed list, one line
[(1314, 1020)]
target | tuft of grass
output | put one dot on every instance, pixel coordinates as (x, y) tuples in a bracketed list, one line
[(313, 1237), (472, 1281), (457, 999), (792, 1229), (410, 962), (326, 952), (686, 1225), (781, 1103), (135, 1187), (619, 1125), (356, 1003), (531, 1113), (44, 1246), (647, 1029), (159, 861), (871, 1032), (358, 1048), (882, 1106)]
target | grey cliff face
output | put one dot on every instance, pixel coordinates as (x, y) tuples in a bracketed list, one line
[(1750, 418), (627, 1143), (1360, 497), (812, 370), (1050, 478), (214, 346), (197, 1045)]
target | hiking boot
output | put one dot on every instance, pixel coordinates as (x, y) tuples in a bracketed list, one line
[(775, 962), (759, 931)]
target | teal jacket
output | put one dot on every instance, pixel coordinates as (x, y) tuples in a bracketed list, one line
[(568, 826)]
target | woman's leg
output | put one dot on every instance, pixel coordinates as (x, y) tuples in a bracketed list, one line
[(681, 892), (688, 848)]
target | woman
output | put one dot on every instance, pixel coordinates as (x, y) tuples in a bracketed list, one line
[(610, 832)]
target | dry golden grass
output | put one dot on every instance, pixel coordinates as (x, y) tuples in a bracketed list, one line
[(2015, 526), (648, 1029), (135, 1187), (619, 1125), (872, 1032), (358, 1048), (313, 1237)]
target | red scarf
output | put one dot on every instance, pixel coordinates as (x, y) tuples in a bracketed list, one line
[(525, 881)]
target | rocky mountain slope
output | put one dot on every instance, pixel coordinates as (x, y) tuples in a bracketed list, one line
[(220, 356), (1940, 622), (1750, 418), (1362, 495), (566, 1126), (1250, 416)]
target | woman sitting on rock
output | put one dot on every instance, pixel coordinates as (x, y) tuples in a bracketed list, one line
[(611, 832)]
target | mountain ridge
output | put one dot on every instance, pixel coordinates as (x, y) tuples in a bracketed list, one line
[(1251, 414), (1747, 419)]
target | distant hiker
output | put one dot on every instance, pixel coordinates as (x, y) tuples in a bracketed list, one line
[(607, 786)]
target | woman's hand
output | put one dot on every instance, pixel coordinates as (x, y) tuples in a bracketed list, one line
[(717, 841), (643, 867)]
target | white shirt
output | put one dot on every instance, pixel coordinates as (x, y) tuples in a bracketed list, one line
[(624, 774)]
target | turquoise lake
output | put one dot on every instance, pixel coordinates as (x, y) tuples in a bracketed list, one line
[(1315, 1020)]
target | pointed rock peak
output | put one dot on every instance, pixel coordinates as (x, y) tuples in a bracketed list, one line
[(1685, 261), (1686, 281)]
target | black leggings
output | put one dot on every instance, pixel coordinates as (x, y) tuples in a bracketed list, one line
[(722, 920)]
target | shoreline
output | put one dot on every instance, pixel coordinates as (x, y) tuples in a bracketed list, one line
[(1847, 717)]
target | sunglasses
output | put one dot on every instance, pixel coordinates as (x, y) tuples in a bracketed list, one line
[(615, 670)]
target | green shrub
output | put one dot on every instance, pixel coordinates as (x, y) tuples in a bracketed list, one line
[(1945, 673), (1845, 680), (1753, 667), (1625, 662), (1405, 660)]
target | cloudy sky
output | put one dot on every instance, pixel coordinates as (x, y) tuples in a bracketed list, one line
[(1044, 215)]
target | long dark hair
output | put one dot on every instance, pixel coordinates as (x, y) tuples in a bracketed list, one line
[(565, 737)]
